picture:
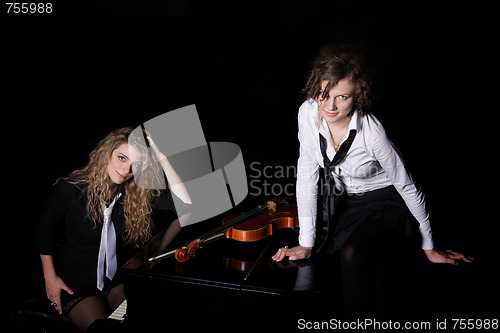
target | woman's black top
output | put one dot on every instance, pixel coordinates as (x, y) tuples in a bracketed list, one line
[(67, 233)]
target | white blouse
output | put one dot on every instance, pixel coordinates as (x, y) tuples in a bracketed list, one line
[(371, 163)]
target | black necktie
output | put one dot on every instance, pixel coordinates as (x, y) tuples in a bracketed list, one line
[(328, 188)]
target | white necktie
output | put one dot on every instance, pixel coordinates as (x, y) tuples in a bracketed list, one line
[(107, 248)]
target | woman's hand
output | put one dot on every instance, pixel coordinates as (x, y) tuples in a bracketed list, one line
[(53, 287), (446, 257), (295, 253), (53, 283), (159, 155)]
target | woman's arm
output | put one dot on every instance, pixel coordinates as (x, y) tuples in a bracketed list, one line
[(392, 163), (176, 184), (53, 283), (307, 188), (307, 175), (50, 220)]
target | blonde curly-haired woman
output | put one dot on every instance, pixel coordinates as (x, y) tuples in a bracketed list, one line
[(93, 219)]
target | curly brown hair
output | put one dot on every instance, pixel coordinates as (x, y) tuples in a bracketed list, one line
[(335, 63)]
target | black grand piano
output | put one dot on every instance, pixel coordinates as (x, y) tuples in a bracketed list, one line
[(227, 286)]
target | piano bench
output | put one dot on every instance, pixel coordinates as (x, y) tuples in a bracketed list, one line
[(34, 321)]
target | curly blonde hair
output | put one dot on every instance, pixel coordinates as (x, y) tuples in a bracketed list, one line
[(137, 201)]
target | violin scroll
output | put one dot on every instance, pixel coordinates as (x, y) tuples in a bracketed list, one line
[(271, 205), (183, 254)]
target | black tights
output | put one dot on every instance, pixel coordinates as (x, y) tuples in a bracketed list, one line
[(91, 308), (373, 271)]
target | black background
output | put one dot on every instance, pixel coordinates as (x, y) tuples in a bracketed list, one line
[(73, 75)]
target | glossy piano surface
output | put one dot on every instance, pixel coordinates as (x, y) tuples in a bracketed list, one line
[(234, 282)]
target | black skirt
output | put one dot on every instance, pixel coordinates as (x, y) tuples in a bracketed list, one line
[(379, 206), (84, 290)]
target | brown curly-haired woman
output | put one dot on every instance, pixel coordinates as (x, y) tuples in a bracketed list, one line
[(94, 218), (371, 206)]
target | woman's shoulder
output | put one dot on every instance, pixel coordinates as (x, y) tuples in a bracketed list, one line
[(370, 124), (308, 114), (371, 119), (63, 194), (66, 188), (308, 108)]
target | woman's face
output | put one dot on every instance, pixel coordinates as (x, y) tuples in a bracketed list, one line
[(124, 162), (338, 102)]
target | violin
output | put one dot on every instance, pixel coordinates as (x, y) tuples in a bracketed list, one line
[(263, 225), (245, 227)]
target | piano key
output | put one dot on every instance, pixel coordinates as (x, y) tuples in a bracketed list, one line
[(120, 312)]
